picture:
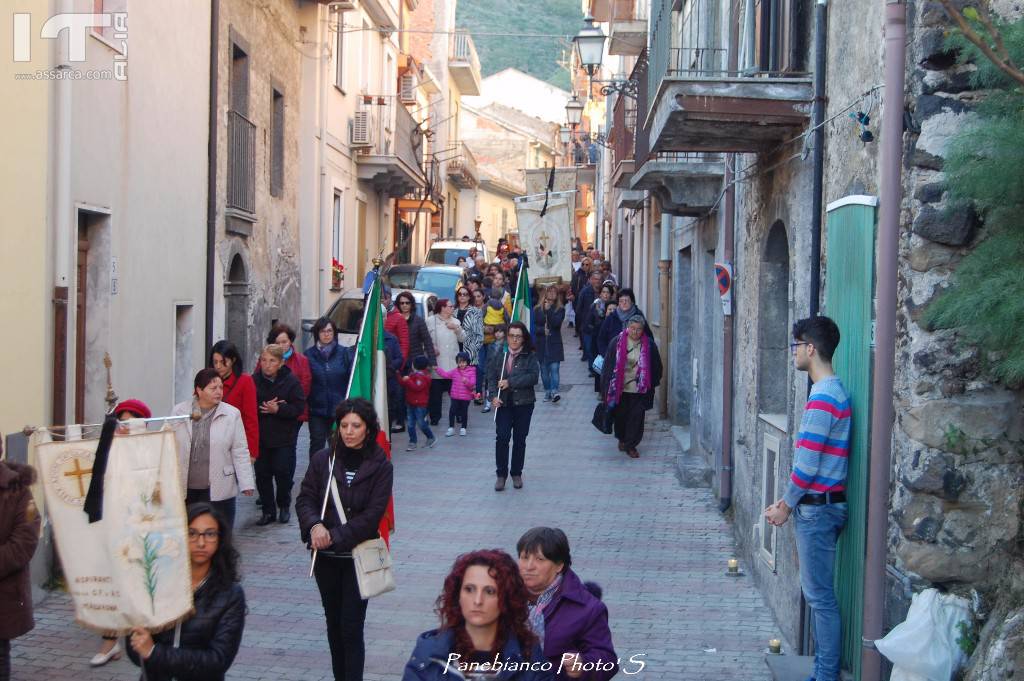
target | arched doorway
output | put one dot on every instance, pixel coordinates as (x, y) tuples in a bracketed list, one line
[(236, 305), (773, 326)]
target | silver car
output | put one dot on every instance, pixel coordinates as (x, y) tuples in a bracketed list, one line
[(347, 312)]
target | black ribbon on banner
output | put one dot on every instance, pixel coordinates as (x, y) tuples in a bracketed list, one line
[(94, 497), (547, 191)]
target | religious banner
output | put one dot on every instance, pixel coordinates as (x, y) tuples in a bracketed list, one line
[(132, 567), (547, 238)]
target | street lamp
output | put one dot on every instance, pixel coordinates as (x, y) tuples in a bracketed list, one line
[(574, 111), (590, 46), (565, 134)]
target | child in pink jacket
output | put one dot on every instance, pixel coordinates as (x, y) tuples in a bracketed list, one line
[(463, 378)]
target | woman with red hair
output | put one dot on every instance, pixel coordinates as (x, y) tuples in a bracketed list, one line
[(485, 630)]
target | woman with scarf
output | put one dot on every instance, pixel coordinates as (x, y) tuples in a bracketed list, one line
[(613, 324), (484, 616), (284, 335), (511, 378), (566, 614), (631, 372), (446, 335)]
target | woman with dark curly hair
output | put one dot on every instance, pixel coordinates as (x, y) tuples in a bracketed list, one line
[(364, 476), (485, 631), (203, 646)]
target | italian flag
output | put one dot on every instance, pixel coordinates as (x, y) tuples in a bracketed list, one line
[(521, 305), (369, 378)]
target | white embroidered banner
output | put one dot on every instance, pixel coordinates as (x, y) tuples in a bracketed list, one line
[(548, 239), (131, 568)]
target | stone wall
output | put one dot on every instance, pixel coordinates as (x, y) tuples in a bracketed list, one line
[(958, 448)]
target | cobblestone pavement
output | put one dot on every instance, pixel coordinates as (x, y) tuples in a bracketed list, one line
[(658, 550)]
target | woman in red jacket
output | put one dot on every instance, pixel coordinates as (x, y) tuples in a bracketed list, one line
[(239, 390), (284, 335)]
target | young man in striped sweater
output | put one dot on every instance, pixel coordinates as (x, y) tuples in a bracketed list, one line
[(817, 488)]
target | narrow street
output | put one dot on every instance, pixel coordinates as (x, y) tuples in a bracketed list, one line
[(658, 550)]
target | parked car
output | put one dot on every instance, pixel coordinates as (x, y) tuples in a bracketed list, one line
[(347, 313), (441, 280), (448, 252)]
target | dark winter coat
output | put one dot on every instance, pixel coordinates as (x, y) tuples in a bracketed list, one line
[(19, 534), (584, 302), (609, 367), (209, 639), (365, 499), (394, 359), (280, 429), (521, 380), (612, 326), (430, 657), (547, 334), (577, 621), (420, 343), (330, 379), (580, 280)]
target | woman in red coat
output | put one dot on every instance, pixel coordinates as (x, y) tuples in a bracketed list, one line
[(239, 390), (284, 335)]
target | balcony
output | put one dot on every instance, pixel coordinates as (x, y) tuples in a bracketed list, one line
[(388, 146), (383, 13), (623, 135), (461, 170), (627, 28), (698, 104), (464, 64), (685, 184)]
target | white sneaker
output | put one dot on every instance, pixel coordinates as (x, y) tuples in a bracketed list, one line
[(411, 447), (449, 432), (462, 431)]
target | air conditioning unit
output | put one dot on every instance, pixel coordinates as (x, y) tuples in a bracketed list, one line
[(360, 134), (407, 89)]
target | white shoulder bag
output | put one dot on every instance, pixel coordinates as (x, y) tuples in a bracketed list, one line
[(371, 558)]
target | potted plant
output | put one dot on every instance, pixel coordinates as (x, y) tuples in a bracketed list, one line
[(337, 274)]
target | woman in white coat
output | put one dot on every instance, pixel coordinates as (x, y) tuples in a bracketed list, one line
[(446, 333), (213, 454)]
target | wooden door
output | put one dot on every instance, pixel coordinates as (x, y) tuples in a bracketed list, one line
[(81, 313)]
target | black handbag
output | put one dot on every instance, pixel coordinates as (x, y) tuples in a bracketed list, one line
[(604, 418)]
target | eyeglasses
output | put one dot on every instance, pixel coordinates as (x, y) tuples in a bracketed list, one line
[(463, 294), (515, 335), (404, 302), (208, 535), (794, 346)]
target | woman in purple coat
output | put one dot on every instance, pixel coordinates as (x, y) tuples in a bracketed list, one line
[(567, 615)]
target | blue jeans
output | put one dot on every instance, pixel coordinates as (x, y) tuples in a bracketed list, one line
[(417, 416), (817, 528), (549, 376)]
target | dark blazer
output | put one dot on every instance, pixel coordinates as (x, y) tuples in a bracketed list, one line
[(19, 534), (280, 429), (330, 379), (521, 380), (612, 326), (209, 639), (419, 340), (577, 621), (609, 367), (583, 303), (548, 346), (365, 500), (429, 658)]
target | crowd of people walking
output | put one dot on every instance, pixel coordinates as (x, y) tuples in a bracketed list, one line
[(240, 435)]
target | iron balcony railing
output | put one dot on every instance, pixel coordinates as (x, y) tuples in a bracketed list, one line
[(463, 165), (463, 50), (623, 127), (241, 162), (771, 45), (393, 130)]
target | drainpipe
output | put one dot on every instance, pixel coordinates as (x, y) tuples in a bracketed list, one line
[(885, 336), (211, 170), (664, 284), (818, 153), (65, 231), (325, 32)]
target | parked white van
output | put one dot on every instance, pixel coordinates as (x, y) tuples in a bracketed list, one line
[(448, 252)]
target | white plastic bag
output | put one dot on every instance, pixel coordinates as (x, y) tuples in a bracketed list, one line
[(924, 646)]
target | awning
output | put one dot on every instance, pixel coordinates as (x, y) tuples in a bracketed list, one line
[(413, 205)]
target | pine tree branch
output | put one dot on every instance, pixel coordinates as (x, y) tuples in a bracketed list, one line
[(1002, 61), (986, 20)]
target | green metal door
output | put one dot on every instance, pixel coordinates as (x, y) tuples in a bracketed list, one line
[(850, 262)]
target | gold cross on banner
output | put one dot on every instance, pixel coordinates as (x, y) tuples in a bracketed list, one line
[(78, 473)]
